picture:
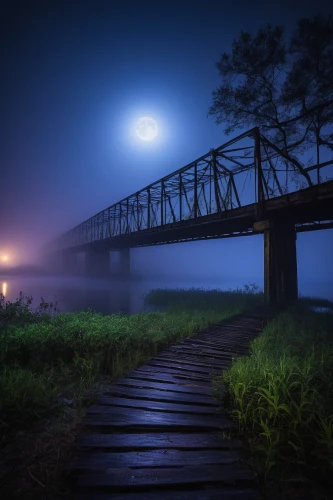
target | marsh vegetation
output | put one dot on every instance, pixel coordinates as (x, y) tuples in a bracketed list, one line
[(52, 364)]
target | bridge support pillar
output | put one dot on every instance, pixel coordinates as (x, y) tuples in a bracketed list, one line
[(98, 264), (280, 263)]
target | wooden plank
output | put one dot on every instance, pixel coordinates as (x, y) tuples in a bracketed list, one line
[(185, 367), (197, 360), (219, 355), (167, 377), (189, 388), (213, 351), (187, 363), (126, 478), (206, 494), (106, 404), (151, 416), (173, 371), (223, 348), (234, 339), (227, 343), (153, 458), (155, 440), (136, 417), (130, 392), (172, 376), (217, 345), (189, 350), (242, 329), (203, 355)]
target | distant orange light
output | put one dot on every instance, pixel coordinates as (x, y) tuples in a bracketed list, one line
[(5, 258)]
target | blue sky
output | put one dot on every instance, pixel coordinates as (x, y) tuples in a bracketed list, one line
[(77, 77)]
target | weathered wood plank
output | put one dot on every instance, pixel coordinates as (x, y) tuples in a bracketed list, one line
[(205, 357), (198, 361), (126, 478), (206, 494), (223, 347), (223, 352), (108, 404), (220, 350), (155, 440), (189, 388), (130, 392), (220, 355), (173, 371), (153, 458), (129, 417), (185, 367), (216, 345), (196, 345), (191, 363), (167, 377)]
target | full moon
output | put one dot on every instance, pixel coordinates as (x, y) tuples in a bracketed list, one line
[(146, 128)]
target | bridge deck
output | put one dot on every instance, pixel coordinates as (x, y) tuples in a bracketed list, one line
[(159, 434)]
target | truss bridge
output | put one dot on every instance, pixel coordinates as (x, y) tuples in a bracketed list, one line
[(244, 187)]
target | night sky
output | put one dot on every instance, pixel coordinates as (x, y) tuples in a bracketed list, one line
[(76, 77)]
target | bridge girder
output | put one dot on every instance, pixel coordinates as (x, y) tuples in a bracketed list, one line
[(244, 171)]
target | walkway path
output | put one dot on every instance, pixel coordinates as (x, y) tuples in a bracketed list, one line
[(158, 434)]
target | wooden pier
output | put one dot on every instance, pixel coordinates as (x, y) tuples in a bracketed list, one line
[(159, 434)]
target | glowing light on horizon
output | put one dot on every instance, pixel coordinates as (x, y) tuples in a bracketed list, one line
[(4, 289), (5, 258), (146, 128)]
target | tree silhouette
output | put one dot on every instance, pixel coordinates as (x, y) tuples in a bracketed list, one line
[(285, 89)]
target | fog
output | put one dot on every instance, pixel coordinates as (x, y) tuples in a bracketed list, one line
[(224, 264)]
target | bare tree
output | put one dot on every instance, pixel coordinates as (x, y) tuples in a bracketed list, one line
[(310, 80), (275, 87)]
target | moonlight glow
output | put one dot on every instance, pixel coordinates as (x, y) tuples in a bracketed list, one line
[(4, 258), (146, 128)]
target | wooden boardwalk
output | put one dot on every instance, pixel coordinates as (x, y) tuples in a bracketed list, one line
[(158, 434)]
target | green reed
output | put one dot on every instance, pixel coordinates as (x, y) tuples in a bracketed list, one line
[(282, 394)]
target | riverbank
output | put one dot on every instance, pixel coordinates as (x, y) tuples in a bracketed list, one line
[(53, 363), (282, 398)]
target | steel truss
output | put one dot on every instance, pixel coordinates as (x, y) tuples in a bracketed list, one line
[(248, 169)]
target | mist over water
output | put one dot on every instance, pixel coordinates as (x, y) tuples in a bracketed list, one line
[(74, 294), (224, 264)]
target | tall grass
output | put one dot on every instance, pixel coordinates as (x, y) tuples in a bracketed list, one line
[(282, 394)]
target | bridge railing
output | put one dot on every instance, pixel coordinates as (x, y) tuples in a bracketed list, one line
[(245, 170)]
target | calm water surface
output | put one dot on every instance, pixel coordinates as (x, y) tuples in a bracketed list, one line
[(77, 293)]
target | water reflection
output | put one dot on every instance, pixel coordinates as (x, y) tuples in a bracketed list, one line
[(103, 297), (4, 289)]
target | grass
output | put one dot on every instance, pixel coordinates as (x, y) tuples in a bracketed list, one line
[(51, 364), (282, 395)]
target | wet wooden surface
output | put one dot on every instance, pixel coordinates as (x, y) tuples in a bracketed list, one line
[(159, 434)]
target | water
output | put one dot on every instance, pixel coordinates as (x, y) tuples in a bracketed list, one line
[(77, 293)]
